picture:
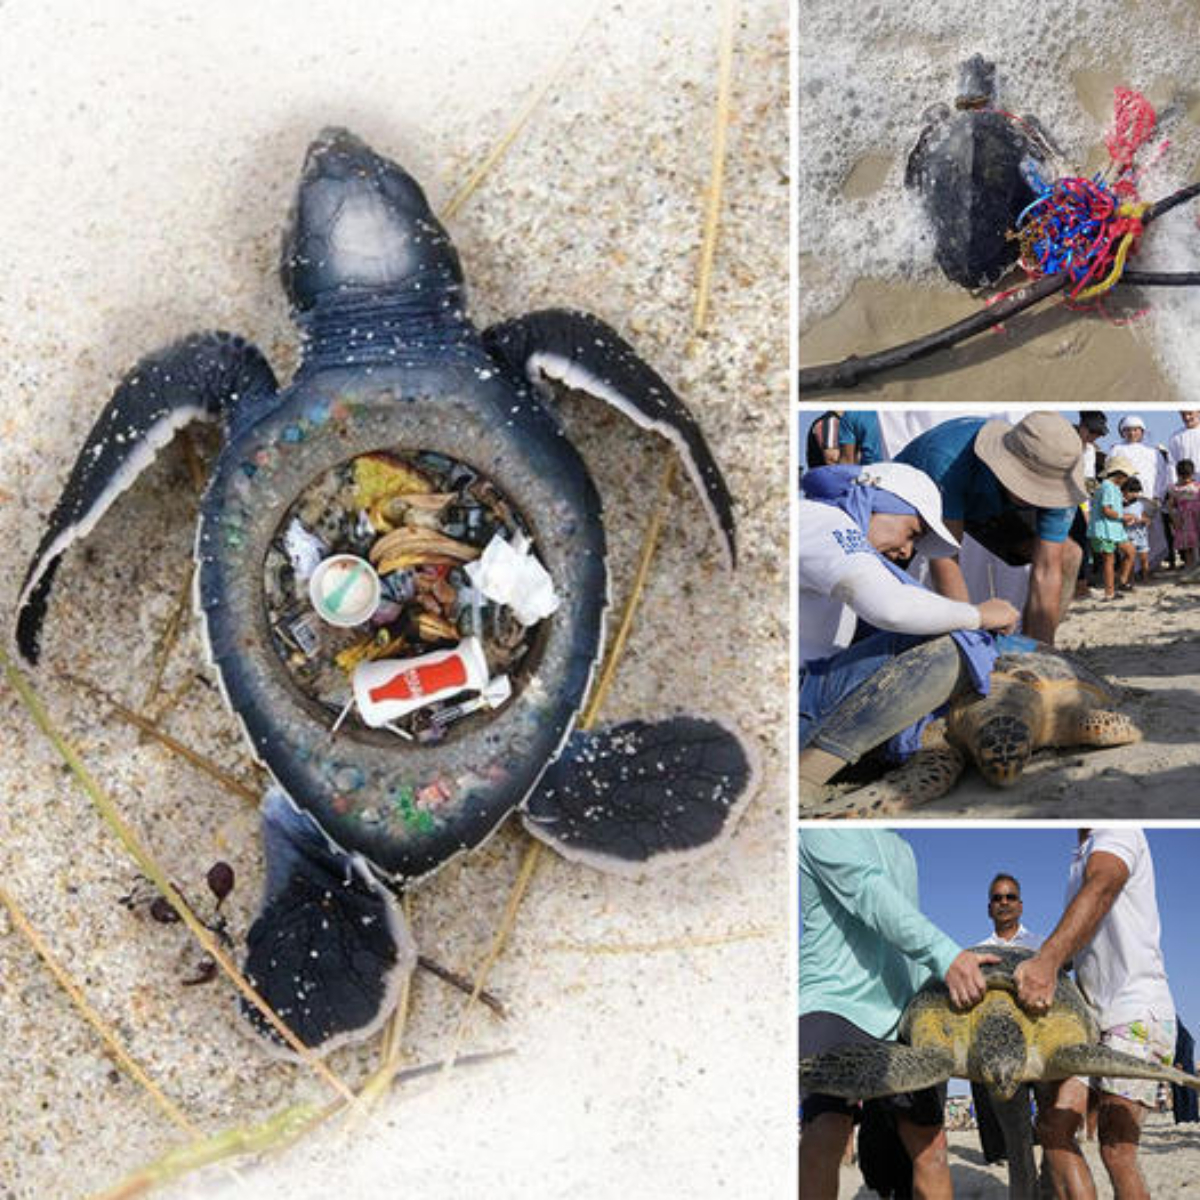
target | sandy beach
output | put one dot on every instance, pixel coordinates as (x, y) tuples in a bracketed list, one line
[(868, 279), (154, 154), (1169, 1158)]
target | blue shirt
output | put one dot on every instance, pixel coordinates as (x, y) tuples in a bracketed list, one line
[(861, 429), (1103, 528), (969, 487), (866, 947)]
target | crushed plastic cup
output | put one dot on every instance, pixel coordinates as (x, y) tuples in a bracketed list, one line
[(509, 574), (344, 589), (393, 687)]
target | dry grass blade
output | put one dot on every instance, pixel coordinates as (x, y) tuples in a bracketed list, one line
[(149, 867), (107, 1034), (275, 1134), (229, 782), (476, 177), (170, 634)]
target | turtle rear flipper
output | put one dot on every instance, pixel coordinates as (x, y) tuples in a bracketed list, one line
[(200, 378), (1102, 1060), (861, 1072), (1102, 727), (630, 796), (580, 351), (928, 775), (330, 950)]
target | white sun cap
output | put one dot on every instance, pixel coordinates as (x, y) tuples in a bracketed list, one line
[(914, 487), (1132, 421)]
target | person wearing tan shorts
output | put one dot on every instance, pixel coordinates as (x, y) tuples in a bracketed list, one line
[(1110, 929)]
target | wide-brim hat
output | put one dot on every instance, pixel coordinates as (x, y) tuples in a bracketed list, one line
[(1118, 464), (1039, 459), (914, 487)]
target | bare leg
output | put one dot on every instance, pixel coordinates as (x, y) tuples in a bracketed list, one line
[(1058, 1124), (926, 1146), (1127, 561), (1120, 1132), (1106, 561), (822, 1143)]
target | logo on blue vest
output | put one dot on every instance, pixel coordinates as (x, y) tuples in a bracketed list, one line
[(852, 541)]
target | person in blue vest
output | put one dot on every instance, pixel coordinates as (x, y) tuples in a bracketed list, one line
[(865, 949), (1015, 489)]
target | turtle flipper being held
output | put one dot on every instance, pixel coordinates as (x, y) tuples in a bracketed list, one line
[(408, 438)]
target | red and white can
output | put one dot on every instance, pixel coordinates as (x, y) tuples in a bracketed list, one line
[(392, 687)]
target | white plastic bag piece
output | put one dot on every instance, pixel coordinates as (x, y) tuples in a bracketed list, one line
[(508, 574)]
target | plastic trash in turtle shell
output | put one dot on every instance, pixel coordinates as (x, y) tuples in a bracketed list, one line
[(396, 384)]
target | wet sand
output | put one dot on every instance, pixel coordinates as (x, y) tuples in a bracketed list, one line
[(152, 161)]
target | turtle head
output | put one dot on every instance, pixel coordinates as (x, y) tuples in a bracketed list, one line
[(976, 83), (998, 1048), (360, 225)]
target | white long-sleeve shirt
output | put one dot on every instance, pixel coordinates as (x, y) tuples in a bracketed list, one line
[(841, 579)]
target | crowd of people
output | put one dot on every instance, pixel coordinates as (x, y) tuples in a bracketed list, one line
[(866, 948), (928, 544)]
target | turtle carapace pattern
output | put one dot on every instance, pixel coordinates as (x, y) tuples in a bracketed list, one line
[(968, 167), (396, 384), (996, 1043)]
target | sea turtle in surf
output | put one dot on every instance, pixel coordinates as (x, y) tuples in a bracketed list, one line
[(970, 167), (409, 436), (996, 1043), (1038, 699)]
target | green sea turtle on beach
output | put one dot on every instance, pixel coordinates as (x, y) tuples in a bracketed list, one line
[(996, 1043), (1039, 699)]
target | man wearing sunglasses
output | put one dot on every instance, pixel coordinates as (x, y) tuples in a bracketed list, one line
[(1005, 910)]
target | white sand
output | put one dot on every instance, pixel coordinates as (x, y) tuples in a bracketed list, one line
[(151, 158), (1169, 1160)]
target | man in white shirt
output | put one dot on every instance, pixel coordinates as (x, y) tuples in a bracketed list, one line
[(1185, 442), (1111, 930)]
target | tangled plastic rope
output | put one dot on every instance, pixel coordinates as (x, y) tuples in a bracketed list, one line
[(1089, 227), (1083, 227)]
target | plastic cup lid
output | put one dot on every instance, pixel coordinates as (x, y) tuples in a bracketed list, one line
[(344, 590)]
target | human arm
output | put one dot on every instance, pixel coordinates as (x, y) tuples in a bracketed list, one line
[(851, 869), (947, 576), (1043, 607), (1104, 877), (877, 596)]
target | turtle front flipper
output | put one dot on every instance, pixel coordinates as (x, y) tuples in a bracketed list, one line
[(582, 352), (861, 1072), (630, 796), (202, 377), (1087, 1059), (330, 951), (1101, 727)]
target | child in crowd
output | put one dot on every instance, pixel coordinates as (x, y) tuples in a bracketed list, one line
[(1106, 526), (1183, 506), (1137, 527)]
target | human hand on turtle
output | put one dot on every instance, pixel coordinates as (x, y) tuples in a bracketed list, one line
[(998, 615), (965, 980), (1036, 979)]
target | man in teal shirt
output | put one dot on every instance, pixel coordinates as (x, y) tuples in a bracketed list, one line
[(866, 948)]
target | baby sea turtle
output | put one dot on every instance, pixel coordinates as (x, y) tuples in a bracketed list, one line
[(1039, 699), (401, 410), (969, 167), (996, 1043)]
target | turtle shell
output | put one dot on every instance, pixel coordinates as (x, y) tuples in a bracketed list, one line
[(967, 169), (406, 807)]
